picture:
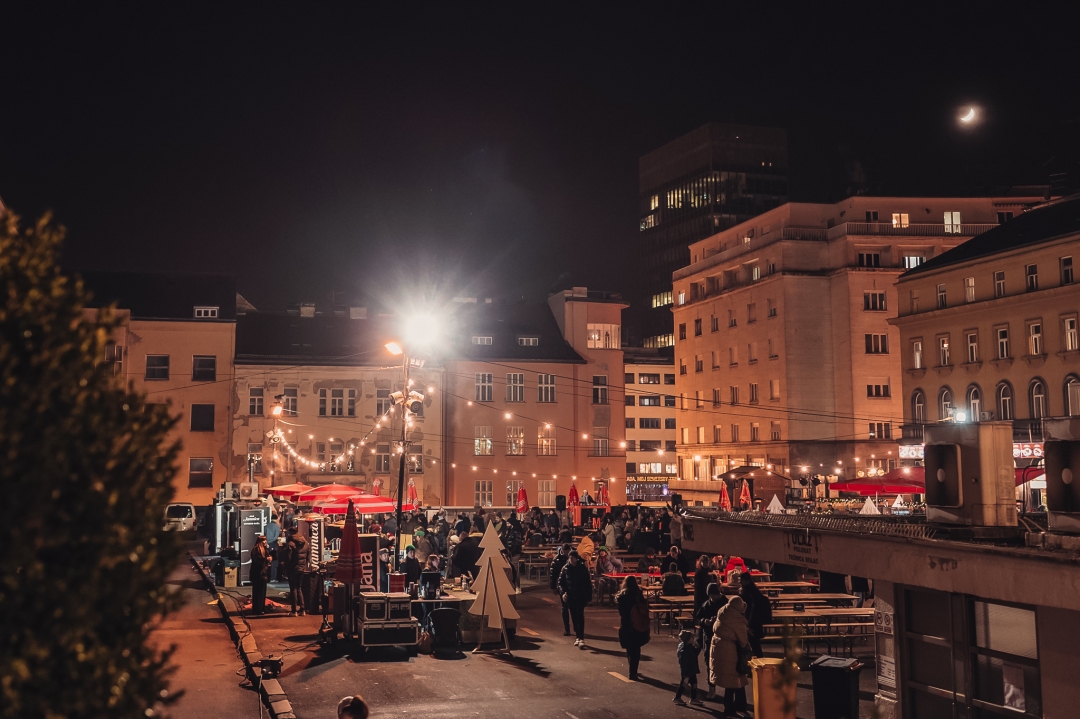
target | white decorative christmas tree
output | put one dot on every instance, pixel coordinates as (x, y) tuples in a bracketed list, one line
[(869, 507), (493, 588)]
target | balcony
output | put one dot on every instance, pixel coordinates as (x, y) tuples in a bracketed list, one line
[(912, 432), (912, 230), (1027, 430)]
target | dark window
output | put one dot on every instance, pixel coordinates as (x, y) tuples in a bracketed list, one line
[(682, 331), (871, 216), (869, 259), (669, 379), (669, 400), (1031, 272), (629, 422), (204, 368), (697, 328), (157, 366), (200, 472), (650, 445), (629, 378), (1004, 217), (669, 423), (649, 423), (629, 400), (202, 418), (669, 445), (631, 467)]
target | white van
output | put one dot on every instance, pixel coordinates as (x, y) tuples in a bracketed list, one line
[(180, 516)]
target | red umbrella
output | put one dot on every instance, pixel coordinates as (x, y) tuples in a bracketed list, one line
[(522, 501), (370, 504), (326, 491), (288, 491), (869, 486), (572, 499), (602, 496), (744, 495), (349, 570), (376, 487), (725, 501), (410, 495)]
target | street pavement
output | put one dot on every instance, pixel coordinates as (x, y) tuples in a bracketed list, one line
[(205, 659), (546, 676)]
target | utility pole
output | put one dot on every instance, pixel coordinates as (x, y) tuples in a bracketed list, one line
[(404, 453)]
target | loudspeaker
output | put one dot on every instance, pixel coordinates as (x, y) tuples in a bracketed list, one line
[(942, 475), (1062, 466), (560, 502)]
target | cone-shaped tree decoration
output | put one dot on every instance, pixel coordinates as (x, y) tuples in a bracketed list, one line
[(492, 586)]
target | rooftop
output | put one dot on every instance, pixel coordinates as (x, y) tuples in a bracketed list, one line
[(160, 295)]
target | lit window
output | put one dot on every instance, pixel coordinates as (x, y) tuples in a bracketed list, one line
[(943, 351), (972, 347), (482, 442), (1072, 342), (969, 289), (912, 261), (899, 219), (515, 441), (528, 341), (482, 493), (603, 336), (481, 340), (545, 441), (916, 355), (654, 202), (206, 313), (1035, 338), (952, 223)]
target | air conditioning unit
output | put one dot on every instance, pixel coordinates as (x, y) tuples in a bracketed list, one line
[(229, 491), (249, 490), (969, 474), (1061, 453)]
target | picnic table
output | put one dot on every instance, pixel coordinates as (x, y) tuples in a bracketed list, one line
[(812, 598), (765, 586), (830, 625)]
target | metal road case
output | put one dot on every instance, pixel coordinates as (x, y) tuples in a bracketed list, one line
[(390, 633), (400, 606)]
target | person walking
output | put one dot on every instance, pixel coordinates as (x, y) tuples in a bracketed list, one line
[(295, 562), (758, 612), (706, 617), (729, 635), (633, 622), (687, 654), (554, 572), (703, 577), (260, 574), (575, 585)]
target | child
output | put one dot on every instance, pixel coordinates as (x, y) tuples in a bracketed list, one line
[(688, 666)]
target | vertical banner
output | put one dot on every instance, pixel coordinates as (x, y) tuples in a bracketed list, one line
[(369, 563)]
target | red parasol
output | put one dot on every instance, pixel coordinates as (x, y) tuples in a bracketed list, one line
[(725, 501), (602, 496), (362, 503), (288, 491), (376, 487), (349, 570), (410, 495), (572, 499), (744, 495), (522, 501), (326, 491)]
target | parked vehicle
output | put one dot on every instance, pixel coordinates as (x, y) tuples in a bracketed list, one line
[(180, 517)]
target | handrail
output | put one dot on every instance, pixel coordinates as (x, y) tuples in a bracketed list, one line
[(912, 230)]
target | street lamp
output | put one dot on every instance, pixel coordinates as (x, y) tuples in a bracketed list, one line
[(412, 403)]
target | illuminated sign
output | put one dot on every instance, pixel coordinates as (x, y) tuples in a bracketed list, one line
[(1021, 450)]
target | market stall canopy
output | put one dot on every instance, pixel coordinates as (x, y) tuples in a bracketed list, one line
[(362, 503), (327, 491), (288, 491), (916, 475), (868, 486)]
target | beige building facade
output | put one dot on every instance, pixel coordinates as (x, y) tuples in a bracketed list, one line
[(785, 357)]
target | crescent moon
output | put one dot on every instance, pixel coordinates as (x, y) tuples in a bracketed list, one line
[(969, 116)]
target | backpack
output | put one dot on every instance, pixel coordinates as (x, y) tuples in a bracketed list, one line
[(639, 617)]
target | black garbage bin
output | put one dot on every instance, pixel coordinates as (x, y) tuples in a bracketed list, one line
[(836, 687)]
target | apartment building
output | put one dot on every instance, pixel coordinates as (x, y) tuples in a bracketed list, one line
[(988, 331), (649, 387), (785, 357), (331, 375), (534, 398), (176, 346)]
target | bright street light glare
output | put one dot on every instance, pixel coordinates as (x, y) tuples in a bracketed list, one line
[(422, 330), (394, 348)]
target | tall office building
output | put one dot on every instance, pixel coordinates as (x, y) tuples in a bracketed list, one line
[(705, 182)]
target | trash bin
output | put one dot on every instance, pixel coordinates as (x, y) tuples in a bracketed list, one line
[(836, 687), (772, 699)]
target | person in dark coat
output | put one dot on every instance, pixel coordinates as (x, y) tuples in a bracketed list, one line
[(575, 586), (468, 554), (676, 557), (296, 552), (565, 535), (673, 584), (411, 566), (648, 562), (633, 622), (706, 617), (554, 572), (703, 577), (260, 574), (758, 612), (687, 653)]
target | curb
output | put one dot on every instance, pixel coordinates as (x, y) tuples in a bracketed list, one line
[(273, 695)]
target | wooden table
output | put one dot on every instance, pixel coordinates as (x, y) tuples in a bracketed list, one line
[(816, 597), (765, 586), (819, 625)]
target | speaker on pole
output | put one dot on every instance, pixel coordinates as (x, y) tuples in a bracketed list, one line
[(560, 502)]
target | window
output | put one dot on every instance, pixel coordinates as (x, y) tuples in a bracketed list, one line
[(697, 327), (876, 344), (628, 378), (733, 355), (206, 313), (1035, 338), (943, 351), (913, 261), (751, 312), (774, 431), (200, 472), (952, 223), (114, 359), (482, 493), (871, 216), (202, 418), (1031, 273), (734, 433), (629, 399), (669, 400), (1072, 396), (682, 331), (914, 299), (1003, 343), (416, 459), (515, 387), (157, 366), (1066, 270), (603, 336), (320, 452), (899, 219), (714, 324), (648, 379), (755, 273), (545, 446), (1004, 217), (255, 401), (481, 340), (545, 492), (716, 398), (1005, 401), (600, 445), (918, 406), (650, 445), (599, 389), (732, 320), (484, 387), (669, 379), (874, 301), (753, 392), (289, 402), (999, 284), (880, 430), (1037, 397), (545, 388), (916, 355), (482, 441), (715, 361), (649, 423), (974, 401), (515, 441), (945, 404), (972, 347), (382, 458), (352, 404), (878, 389), (869, 259), (754, 429), (528, 341), (969, 289), (698, 404), (669, 423), (322, 403), (337, 402), (630, 423), (513, 486), (774, 389), (337, 452), (699, 364), (382, 401), (734, 394), (941, 303), (770, 308), (1072, 342)]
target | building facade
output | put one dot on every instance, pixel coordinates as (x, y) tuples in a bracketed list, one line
[(989, 330), (785, 357), (534, 400), (650, 423), (705, 181)]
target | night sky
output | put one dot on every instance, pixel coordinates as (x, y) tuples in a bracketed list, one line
[(482, 151)]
